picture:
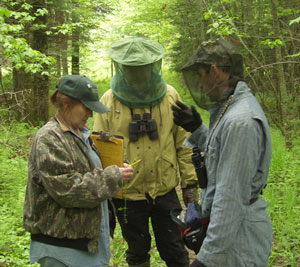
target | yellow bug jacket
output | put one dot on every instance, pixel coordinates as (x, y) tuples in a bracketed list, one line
[(165, 161)]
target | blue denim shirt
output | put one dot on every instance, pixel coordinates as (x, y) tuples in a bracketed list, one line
[(237, 161), (77, 258)]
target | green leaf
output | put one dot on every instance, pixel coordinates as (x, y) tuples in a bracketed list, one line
[(5, 12), (206, 16), (215, 25), (297, 20)]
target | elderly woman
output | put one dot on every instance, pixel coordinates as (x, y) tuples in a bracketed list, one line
[(67, 190)]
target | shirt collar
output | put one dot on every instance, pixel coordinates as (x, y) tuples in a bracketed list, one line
[(64, 127), (61, 123)]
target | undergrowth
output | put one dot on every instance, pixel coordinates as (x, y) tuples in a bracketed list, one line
[(282, 194)]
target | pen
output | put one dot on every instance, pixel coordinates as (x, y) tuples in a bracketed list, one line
[(132, 164)]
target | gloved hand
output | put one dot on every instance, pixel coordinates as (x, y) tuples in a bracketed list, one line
[(190, 194), (197, 263), (193, 215), (188, 118)]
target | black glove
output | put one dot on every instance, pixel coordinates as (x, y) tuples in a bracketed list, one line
[(197, 263), (188, 118)]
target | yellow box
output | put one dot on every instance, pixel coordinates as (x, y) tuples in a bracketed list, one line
[(110, 148)]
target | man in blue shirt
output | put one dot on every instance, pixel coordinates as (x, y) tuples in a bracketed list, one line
[(237, 153)]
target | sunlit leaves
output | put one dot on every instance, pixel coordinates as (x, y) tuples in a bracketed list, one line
[(272, 44), (297, 20), (16, 49), (41, 12), (222, 25), (4, 12), (21, 55)]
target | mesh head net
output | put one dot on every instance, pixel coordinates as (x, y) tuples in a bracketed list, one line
[(137, 81), (220, 52)]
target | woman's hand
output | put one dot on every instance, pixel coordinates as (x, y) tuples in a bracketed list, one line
[(126, 172)]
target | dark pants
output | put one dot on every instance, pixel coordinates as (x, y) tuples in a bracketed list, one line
[(134, 221)]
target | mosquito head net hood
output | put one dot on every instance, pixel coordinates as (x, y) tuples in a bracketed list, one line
[(137, 81), (220, 52)]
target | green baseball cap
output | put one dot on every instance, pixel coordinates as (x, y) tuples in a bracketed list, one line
[(83, 89)]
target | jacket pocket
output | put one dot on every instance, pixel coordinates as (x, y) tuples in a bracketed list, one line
[(254, 239), (211, 164), (167, 172)]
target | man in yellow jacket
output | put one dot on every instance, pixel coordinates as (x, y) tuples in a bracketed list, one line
[(140, 102)]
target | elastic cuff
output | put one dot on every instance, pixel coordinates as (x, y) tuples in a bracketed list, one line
[(191, 186), (197, 263)]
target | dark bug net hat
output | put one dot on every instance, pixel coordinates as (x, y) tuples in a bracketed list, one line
[(220, 52)]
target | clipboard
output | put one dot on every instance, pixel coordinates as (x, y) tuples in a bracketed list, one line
[(110, 148)]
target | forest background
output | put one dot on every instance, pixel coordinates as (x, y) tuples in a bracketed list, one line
[(41, 40)]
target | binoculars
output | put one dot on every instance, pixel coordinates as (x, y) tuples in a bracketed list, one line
[(199, 164), (145, 125)]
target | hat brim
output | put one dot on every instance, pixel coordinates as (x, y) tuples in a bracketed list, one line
[(193, 66), (96, 106)]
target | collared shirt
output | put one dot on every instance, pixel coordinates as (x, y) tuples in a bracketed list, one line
[(72, 257), (237, 162)]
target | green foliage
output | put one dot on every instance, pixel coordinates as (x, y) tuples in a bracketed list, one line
[(103, 85), (21, 55), (272, 44), (222, 25), (180, 25), (271, 54), (16, 49), (282, 194), (297, 20), (14, 147)]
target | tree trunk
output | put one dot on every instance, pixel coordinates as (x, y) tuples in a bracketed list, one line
[(21, 94), (75, 52), (285, 98), (3, 96), (64, 54), (58, 65), (40, 96), (62, 42), (75, 44)]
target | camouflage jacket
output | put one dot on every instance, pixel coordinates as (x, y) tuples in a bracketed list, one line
[(64, 189)]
